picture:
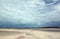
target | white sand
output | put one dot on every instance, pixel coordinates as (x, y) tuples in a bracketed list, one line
[(30, 33)]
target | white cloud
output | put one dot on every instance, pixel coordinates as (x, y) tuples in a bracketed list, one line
[(32, 11)]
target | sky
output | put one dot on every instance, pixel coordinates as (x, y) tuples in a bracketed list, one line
[(29, 13)]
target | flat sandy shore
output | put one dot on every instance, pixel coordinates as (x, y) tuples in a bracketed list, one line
[(39, 33)]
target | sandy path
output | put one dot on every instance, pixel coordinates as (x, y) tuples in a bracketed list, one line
[(29, 34)]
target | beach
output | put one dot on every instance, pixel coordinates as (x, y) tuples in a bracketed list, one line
[(37, 33)]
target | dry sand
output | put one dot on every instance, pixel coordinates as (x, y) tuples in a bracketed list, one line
[(45, 33)]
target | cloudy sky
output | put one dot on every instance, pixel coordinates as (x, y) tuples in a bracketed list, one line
[(29, 13)]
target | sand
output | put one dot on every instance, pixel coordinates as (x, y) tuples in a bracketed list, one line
[(41, 33)]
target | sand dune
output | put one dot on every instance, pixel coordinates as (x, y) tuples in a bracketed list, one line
[(30, 33)]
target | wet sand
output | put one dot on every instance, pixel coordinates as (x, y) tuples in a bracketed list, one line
[(39, 33)]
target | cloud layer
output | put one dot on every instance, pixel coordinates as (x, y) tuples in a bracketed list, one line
[(29, 13)]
